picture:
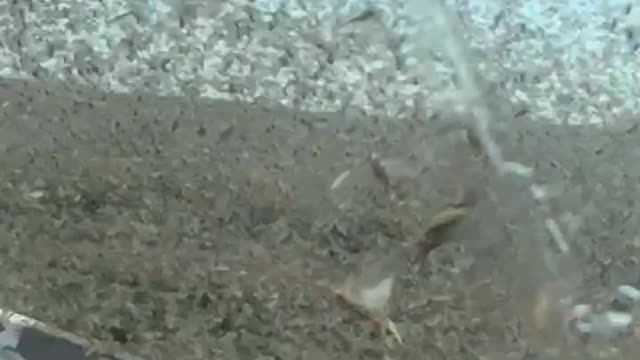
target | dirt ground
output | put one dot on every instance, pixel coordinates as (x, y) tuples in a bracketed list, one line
[(210, 230)]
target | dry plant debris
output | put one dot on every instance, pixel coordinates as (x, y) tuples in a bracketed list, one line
[(371, 288)]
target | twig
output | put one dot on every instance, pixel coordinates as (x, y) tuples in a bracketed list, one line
[(379, 172)]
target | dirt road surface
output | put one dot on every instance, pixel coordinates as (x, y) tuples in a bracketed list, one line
[(209, 230)]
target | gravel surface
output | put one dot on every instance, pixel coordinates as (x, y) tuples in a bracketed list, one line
[(573, 62)]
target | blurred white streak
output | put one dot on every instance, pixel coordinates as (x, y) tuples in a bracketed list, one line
[(556, 235)]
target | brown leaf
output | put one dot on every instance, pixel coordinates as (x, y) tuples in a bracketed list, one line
[(446, 218), (439, 223)]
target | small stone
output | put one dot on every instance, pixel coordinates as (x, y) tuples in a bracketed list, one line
[(610, 323), (626, 297)]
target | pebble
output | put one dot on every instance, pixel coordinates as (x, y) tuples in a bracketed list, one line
[(618, 321), (626, 296), (609, 323)]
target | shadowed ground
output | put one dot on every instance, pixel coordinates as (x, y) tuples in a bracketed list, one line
[(199, 230)]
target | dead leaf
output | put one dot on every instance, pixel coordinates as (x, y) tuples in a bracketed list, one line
[(446, 218)]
